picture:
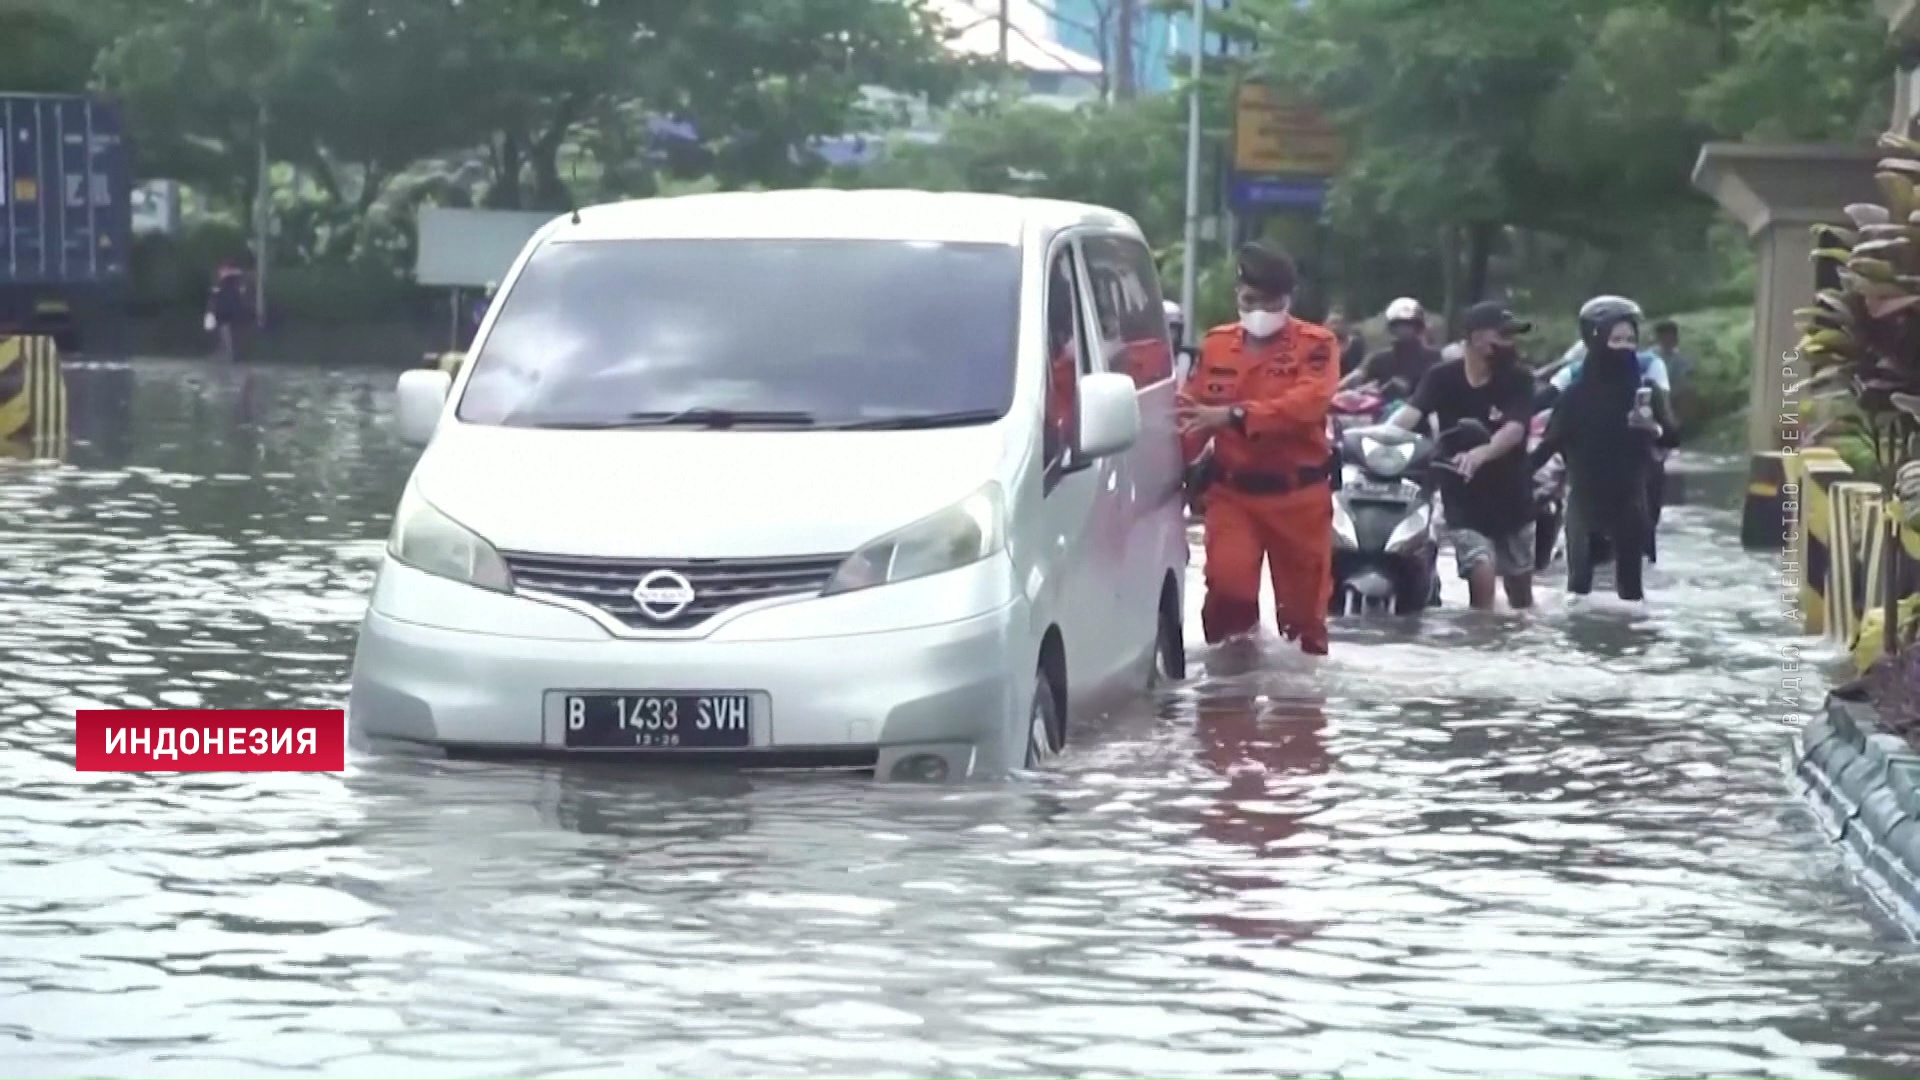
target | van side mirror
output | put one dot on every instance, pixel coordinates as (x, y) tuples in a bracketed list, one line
[(418, 401), (1109, 414)]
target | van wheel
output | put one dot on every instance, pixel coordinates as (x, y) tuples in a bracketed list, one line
[(1169, 646), (1046, 728)]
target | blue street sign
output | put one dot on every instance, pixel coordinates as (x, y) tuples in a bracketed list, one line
[(1255, 193)]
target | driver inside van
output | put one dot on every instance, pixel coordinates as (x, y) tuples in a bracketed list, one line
[(1260, 395)]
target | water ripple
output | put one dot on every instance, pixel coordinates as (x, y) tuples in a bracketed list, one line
[(1558, 844)]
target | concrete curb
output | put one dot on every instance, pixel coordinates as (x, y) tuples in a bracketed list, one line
[(1863, 783)]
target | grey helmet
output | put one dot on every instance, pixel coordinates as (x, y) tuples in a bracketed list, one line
[(1598, 316)]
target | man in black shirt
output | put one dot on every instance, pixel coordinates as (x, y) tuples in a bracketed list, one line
[(1400, 366), (1353, 345), (1489, 501)]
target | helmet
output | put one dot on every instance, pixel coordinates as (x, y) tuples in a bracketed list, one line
[(1598, 316), (1406, 309), (1174, 315)]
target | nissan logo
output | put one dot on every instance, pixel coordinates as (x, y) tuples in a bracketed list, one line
[(663, 594)]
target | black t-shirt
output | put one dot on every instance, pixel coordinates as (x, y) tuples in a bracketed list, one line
[(1408, 363), (1500, 497), (1353, 353)]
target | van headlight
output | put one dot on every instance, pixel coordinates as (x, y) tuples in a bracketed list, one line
[(433, 543), (961, 535)]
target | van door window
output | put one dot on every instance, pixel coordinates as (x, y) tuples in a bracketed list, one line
[(1132, 317), (1067, 357)]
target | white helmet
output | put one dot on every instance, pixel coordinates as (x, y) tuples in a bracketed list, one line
[(1406, 309), (1172, 310)]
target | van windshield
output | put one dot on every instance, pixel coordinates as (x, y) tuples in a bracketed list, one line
[(752, 333)]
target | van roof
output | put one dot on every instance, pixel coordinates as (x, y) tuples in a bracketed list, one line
[(827, 214)]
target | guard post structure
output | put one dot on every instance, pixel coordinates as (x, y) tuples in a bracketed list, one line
[(33, 396), (1762, 521)]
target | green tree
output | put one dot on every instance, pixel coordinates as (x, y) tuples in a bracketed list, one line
[(760, 79), (1493, 127), (46, 47), (1123, 155)]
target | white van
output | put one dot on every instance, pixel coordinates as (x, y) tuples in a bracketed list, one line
[(884, 480)]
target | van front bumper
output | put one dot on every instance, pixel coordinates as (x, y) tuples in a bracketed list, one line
[(956, 691)]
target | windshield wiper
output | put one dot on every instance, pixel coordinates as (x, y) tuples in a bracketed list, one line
[(923, 420), (702, 416)]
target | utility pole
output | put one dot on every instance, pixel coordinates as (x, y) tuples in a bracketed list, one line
[(261, 198), (1190, 258), (1005, 16), (1125, 14), (261, 225)]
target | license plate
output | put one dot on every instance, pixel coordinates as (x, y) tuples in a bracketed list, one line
[(1367, 489), (638, 720)]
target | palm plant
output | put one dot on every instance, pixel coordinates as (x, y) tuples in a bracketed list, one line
[(1862, 338)]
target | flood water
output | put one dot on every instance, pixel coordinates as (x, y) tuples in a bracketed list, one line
[(1561, 845)]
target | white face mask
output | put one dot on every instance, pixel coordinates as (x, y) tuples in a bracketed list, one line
[(1262, 324)]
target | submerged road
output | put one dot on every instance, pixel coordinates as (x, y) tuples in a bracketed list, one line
[(1558, 845)]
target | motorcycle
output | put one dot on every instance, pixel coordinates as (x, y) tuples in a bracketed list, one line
[(1354, 408), (1385, 546), (1549, 500)]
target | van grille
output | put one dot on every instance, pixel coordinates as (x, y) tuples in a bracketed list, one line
[(719, 585)]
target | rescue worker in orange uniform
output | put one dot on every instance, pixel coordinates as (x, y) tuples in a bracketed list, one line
[(1260, 394)]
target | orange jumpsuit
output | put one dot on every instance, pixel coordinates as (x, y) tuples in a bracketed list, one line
[(1272, 501)]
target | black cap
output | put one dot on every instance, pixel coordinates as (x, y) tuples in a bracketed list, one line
[(1492, 315), (1266, 269)]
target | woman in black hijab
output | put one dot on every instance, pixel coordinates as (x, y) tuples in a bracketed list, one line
[(1606, 425)]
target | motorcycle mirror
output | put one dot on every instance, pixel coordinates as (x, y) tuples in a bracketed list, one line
[(1186, 359)]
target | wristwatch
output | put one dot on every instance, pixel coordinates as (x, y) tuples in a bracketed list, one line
[(1237, 416)]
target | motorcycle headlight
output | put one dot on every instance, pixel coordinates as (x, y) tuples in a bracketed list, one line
[(963, 534), (433, 543), (1385, 459)]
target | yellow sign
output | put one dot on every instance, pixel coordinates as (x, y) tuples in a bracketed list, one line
[(1272, 136), (25, 190)]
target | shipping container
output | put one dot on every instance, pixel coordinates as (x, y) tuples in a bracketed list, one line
[(66, 209)]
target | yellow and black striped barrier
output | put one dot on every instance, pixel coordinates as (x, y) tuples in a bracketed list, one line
[(1762, 518), (1838, 530), (1808, 513), (1859, 541), (33, 397)]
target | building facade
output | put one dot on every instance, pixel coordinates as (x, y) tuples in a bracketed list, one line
[(1092, 27)]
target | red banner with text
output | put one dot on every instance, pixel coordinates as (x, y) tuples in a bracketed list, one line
[(210, 740)]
